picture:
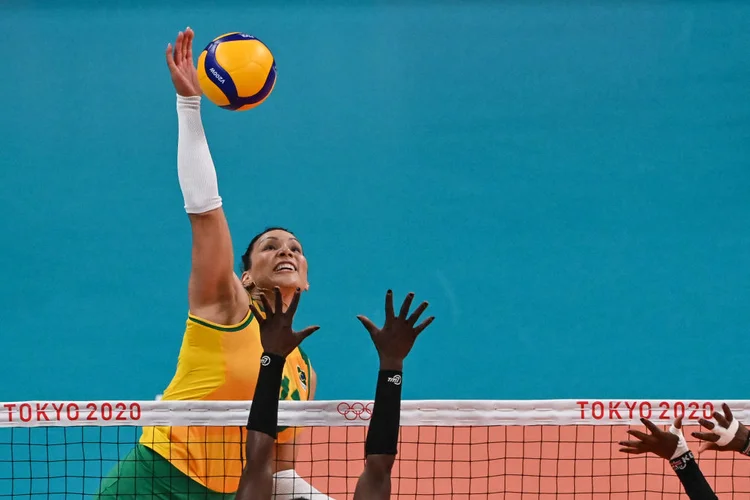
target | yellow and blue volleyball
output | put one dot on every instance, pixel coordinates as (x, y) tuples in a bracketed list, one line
[(236, 71)]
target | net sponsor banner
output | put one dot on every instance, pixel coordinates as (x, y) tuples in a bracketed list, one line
[(353, 412)]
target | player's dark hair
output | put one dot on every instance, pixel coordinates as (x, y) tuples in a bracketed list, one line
[(246, 261)]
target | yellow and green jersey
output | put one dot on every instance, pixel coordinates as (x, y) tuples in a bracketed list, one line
[(221, 363)]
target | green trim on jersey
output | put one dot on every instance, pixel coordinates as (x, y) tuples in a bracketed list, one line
[(237, 328)]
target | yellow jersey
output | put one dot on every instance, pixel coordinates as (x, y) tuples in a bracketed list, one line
[(220, 363)]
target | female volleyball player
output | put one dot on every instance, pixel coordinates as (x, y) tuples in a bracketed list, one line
[(221, 336), (672, 446), (393, 343)]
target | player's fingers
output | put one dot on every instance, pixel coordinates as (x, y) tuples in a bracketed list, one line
[(423, 325), (706, 423), (389, 305), (293, 304), (189, 35), (278, 304), (303, 334), (170, 58), (631, 444), (650, 426), (678, 422), (706, 436), (266, 305), (727, 412), (256, 313), (369, 325), (417, 313), (640, 435), (178, 48), (721, 420), (632, 451), (406, 305)]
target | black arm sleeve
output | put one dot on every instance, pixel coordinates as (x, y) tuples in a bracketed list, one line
[(691, 477), (382, 434), (264, 411)]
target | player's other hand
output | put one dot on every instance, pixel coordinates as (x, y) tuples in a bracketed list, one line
[(181, 66), (276, 334), (396, 338), (665, 444), (727, 434)]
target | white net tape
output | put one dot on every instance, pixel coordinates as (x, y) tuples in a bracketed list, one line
[(356, 413)]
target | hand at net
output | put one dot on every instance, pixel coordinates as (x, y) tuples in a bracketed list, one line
[(276, 334), (665, 444), (727, 434), (395, 340)]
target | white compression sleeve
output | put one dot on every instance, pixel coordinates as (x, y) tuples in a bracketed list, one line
[(195, 168), (288, 485)]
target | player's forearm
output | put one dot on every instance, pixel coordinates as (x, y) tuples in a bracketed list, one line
[(382, 434), (262, 430), (381, 445), (691, 477), (212, 289), (256, 482), (195, 167), (375, 481)]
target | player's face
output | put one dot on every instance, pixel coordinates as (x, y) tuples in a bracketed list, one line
[(277, 260)]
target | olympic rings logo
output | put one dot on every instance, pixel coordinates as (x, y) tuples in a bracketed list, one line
[(354, 411)]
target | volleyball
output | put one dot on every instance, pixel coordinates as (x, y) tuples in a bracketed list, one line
[(236, 71)]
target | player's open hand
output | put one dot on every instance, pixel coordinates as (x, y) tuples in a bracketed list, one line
[(181, 65), (276, 334), (665, 444), (396, 338), (727, 434)]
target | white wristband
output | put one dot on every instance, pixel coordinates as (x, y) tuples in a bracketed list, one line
[(726, 435), (682, 446)]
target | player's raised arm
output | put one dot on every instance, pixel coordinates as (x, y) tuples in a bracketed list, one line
[(393, 342), (278, 340), (671, 445), (214, 291)]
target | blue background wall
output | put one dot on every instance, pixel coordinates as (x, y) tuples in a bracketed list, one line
[(566, 183)]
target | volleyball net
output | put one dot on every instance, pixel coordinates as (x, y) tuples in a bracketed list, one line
[(551, 449)]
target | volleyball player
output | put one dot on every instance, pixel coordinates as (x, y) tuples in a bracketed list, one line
[(671, 445), (393, 343), (221, 333)]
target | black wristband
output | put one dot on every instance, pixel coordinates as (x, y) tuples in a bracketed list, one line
[(264, 411), (382, 435)]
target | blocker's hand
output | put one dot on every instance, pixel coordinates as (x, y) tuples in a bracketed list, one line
[(181, 66), (727, 434), (396, 338), (276, 334), (665, 444)]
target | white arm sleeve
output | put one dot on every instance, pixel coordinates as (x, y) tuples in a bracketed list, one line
[(195, 168)]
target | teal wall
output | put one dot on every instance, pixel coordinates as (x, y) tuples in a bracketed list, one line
[(568, 184)]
